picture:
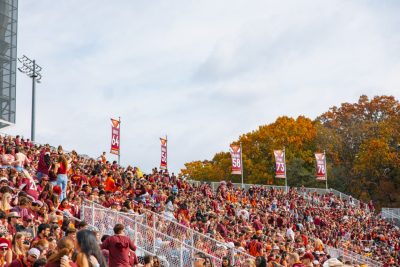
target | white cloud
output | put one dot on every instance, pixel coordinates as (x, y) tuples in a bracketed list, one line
[(202, 72)]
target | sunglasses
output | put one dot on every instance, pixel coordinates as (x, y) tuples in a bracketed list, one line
[(3, 249)]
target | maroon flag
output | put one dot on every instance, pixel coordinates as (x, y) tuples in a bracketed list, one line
[(236, 159), (280, 164), (321, 166), (163, 164), (115, 136)]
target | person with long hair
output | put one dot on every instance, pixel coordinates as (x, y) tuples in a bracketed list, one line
[(226, 262), (5, 202), (18, 246), (65, 248), (89, 253), (62, 178), (261, 261)]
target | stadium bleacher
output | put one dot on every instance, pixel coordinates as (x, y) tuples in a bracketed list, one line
[(175, 218)]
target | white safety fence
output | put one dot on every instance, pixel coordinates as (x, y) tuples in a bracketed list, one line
[(352, 257), (392, 215), (156, 235), (321, 191)]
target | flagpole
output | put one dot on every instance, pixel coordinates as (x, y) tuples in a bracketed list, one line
[(241, 161), (166, 152), (284, 160), (326, 172), (119, 152)]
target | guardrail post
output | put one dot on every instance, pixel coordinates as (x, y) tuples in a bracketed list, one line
[(181, 255), (135, 234), (92, 213), (82, 215), (233, 256), (154, 234)]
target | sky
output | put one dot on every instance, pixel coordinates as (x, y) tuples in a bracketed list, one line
[(200, 72)]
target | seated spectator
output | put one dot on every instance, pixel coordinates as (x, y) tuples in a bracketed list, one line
[(64, 252), (26, 260)]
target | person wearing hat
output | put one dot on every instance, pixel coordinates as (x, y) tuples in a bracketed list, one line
[(26, 260), (13, 222), (27, 225), (5, 252)]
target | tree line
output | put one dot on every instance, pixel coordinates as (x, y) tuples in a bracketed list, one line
[(361, 140)]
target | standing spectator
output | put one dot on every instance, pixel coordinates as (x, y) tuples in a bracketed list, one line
[(89, 253), (44, 162), (8, 158), (119, 247), (20, 159), (62, 178)]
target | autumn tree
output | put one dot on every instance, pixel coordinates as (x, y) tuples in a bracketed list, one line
[(361, 140)]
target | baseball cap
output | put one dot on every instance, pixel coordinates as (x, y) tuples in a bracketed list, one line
[(4, 243), (3, 179), (27, 217), (14, 214), (34, 252)]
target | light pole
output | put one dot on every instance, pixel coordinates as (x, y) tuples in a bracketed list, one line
[(30, 68)]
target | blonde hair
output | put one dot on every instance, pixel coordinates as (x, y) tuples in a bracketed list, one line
[(4, 204), (18, 249)]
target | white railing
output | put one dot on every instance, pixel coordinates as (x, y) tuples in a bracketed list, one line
[(352, 257), (161, 230), (392, 215), (214, 186)]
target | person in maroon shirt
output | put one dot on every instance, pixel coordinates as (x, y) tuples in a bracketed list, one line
[(26, 260), (119, 247)]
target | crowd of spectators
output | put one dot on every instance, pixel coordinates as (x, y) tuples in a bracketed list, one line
[(42, 190)]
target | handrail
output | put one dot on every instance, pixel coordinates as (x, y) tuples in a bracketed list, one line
[(155, 231), (177, 224)]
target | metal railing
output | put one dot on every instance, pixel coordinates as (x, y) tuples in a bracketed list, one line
[(352, 257), (153, 225), (321, 191), (392, 215)]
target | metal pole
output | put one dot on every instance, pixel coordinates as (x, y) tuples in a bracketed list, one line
[(154, 235), (92, 213), (33, 102), (326, 172), (166, 152), (241, 161), (284, 160), (119, 152)]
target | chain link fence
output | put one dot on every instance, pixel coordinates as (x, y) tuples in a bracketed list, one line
[(155, 234), (352, 257)]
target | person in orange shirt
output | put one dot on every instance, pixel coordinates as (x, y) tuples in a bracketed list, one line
[(109, 183)]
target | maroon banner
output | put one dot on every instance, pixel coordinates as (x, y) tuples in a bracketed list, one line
[(236, 159), (280, 165), (163, 164), (321, 166), (114, 137)]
